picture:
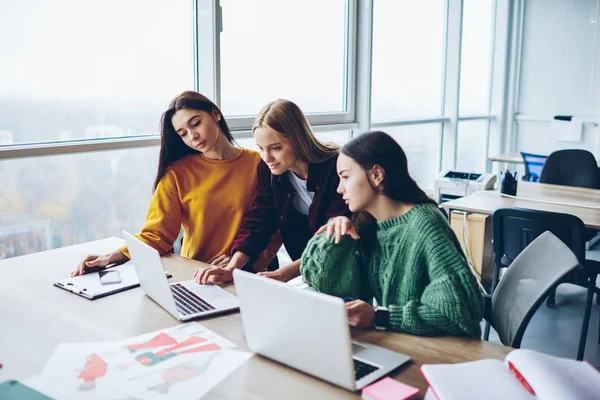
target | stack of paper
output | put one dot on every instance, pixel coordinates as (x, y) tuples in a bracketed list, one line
[(182, 362)]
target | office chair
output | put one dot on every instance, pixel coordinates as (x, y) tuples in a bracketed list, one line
[(533, 166), (539, 267), (572, 167), (515, 228)]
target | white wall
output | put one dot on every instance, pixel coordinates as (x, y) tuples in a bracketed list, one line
[(560, 72)]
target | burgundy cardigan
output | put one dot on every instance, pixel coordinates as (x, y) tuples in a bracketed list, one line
[(273, 202)]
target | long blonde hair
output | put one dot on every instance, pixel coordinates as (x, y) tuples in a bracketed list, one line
[(286, 118)]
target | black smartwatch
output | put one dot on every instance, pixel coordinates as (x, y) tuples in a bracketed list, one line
[(382, 318)]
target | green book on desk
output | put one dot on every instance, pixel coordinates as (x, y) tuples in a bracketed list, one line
[(15, 390)]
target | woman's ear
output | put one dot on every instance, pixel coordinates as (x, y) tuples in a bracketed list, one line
[(376, 175), (216, 115)]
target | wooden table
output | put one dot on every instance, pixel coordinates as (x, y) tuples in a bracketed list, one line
[(36, 317), (579, 201)]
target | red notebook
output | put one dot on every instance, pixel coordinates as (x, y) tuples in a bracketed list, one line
[(389, 389)]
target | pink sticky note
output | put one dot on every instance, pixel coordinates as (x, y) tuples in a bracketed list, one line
[(389, 389)]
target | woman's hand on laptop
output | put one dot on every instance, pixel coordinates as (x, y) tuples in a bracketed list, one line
[(221, 272), (276, 275), (206, 276), (360, 314), (339, 226), (93, 263)]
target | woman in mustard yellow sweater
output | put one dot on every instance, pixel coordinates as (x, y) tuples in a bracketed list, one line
[(203, 179)]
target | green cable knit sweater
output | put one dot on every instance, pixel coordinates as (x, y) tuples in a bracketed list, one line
[(416, 270)]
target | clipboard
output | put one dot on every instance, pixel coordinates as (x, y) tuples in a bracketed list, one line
[(89, 286)]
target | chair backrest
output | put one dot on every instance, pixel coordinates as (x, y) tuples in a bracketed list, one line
[(533, 166), (515, 228), (572, 167), (543, 263)]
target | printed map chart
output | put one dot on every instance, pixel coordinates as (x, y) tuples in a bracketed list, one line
[(182, 362)]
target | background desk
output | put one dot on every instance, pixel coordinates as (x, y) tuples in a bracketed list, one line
[(507, 158), (511, 158), (487, 202), (36, 317)]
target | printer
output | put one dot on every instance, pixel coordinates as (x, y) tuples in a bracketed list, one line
[(451, 185)]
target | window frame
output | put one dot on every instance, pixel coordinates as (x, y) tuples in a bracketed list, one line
[(207, 23)]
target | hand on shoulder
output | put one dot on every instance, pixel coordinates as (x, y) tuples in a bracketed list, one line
[(338, 227)]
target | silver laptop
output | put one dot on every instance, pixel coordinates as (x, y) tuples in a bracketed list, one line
[(184, 300), (308, 331)]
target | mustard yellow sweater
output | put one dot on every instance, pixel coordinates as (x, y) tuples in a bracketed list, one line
[(208, 198)]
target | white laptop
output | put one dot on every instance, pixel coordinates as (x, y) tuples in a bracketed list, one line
[(308, 331), (184, 300)]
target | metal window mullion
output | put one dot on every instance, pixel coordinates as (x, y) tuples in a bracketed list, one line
[(515, 78), (75, 147), (350, 65), (207, 48), (409, 122), (500, 104), (476, 117), (452, 83), (363, 63), (491, 78)]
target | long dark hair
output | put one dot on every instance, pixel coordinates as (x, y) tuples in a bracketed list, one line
[(380, 148), (172, 147)]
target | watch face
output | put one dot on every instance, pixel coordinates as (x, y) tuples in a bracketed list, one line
[(382, 317)]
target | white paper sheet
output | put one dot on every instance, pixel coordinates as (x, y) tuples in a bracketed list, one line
[(184, 361)]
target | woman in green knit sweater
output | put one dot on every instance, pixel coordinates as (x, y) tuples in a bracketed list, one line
[(398, 248)]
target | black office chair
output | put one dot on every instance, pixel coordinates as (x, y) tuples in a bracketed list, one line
[(572, 167), (533, 166), (515, 228)]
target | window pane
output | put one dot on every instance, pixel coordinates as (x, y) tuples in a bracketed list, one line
[(408, 59), (50, 202), (274, 49), (338, 137), (476, 57), (421, 143), (248, 143), (471, 147), (67, 75)]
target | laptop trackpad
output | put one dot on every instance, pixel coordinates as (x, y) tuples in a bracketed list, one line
[(210, 292), (358, 348)]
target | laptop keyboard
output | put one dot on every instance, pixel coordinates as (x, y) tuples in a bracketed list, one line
[(188, 302), (362, 369)]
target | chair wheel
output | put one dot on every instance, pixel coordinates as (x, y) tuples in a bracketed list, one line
[(551, 302)]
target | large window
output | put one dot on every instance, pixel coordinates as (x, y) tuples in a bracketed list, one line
[(50, 202), (83, 85), (76, 69), (408, 59), (274, 49)]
